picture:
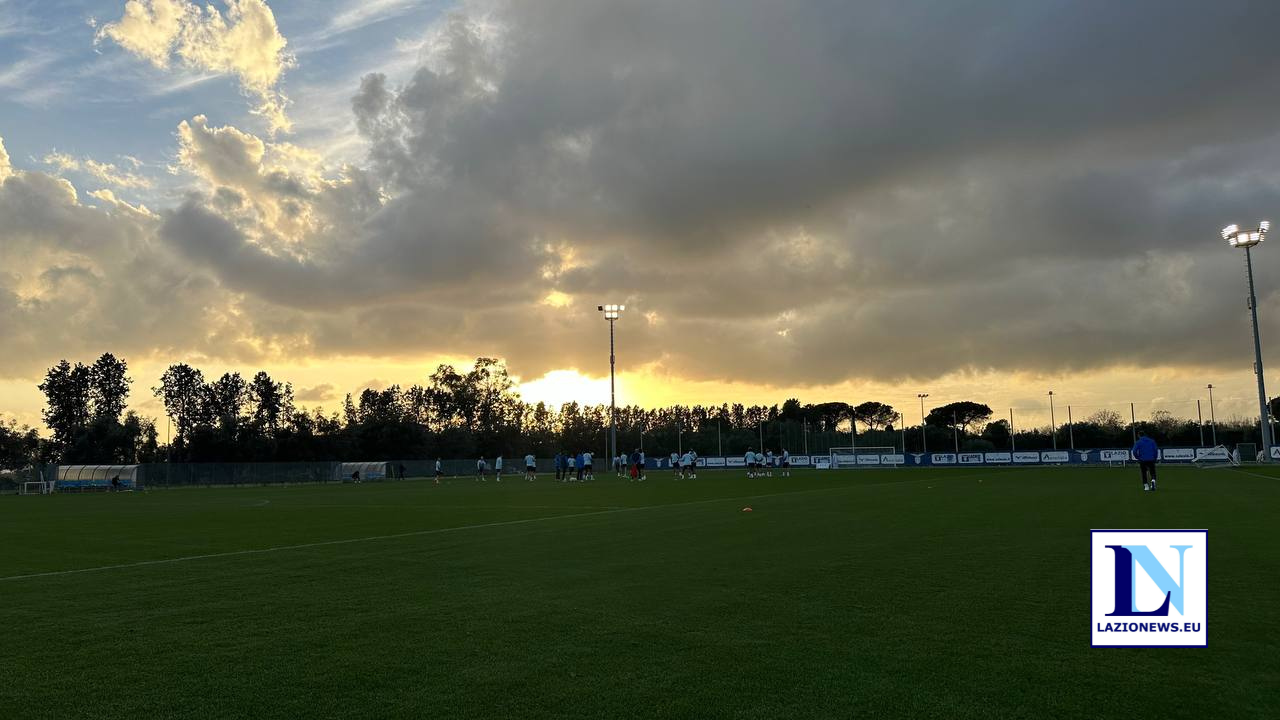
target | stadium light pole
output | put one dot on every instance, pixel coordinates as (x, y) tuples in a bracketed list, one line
[(1248, 239), (1213, 423), (1053, 426), (924, 440), (611, 313)]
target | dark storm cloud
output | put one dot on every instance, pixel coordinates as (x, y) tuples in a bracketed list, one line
[(788, 187)]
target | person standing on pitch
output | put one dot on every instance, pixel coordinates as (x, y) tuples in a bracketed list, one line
[(481, 467), (750, 461), (1146, 453), (497, 468), (439, 471), (786, 463), (530, 467)]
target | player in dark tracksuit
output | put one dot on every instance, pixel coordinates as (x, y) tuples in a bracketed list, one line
[(1146, 453)]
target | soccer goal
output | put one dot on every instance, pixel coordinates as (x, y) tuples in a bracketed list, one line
[(848, 457), (1216, 457), (37, 487)]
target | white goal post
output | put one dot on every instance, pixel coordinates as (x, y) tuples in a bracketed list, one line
[(37, 487), (1216, 457), (848, 457)]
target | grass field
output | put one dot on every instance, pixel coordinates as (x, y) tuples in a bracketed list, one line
[(896, 593)]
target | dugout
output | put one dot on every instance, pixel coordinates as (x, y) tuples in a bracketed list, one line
[(82, 478), (369, 471)]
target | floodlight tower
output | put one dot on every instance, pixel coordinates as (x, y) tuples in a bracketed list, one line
[(924, 442), (611, 313), (1248, 239)]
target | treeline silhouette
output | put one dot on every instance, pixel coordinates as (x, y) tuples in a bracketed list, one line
[(478, 413)]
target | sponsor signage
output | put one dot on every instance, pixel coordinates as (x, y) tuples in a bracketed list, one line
[(868, 459), (713, 462), (1055, 456), (1149, 588), (735, 462), (1026, 457), (1115, 455), (822, 463), (894, 459), (1178, 454), (970, 458), (943, 459), (998, 457), (799, 459)]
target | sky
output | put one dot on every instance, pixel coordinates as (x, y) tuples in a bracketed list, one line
[(814, 199)]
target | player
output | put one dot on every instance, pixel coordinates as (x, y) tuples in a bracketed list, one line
[(786, 463), (481, 468), (439, 470), (641, 469), (686, 465), (635, 464), (768, 463), (570, 463), (750, 461), (759, 464), (693, 464), (586, 467), (530, 468), (675, 463), (497, 468), (1146, 453)]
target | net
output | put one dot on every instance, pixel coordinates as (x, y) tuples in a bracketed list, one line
[(849, 457)]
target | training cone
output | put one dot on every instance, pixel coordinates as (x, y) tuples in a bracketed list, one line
[(746, 509)]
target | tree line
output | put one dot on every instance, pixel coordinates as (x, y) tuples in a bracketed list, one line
[(477, 412)]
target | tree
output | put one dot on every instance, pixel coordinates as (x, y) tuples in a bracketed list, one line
[(876, 416), (18, 445), (270, 402), (182, 391), (963, 415), (1108, 420), (108, 387), (67, 396)]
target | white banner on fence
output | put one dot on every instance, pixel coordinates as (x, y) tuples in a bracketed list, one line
[(868, 459), (894, 459), (1178, 454), (822, 463), (943, 459), (1115, 455), (714, 462), (999, 457), (1026, 457), (970, 458), (799, 459), (735, 462), (1055, 456)]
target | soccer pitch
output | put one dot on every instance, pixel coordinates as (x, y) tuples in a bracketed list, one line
[(892, 593)]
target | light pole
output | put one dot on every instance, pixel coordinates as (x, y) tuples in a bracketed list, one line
[(1053, 426), (924, 441), (1247, 239), (611, 313), (1213, 424)]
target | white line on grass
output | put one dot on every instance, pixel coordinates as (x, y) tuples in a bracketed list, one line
[(437, 531)]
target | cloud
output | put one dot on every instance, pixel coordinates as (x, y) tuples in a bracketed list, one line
[(5, 168), (782, 193), (319, 393), (244, 42), (102, 171)]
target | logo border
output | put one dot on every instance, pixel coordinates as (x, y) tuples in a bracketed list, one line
[(1206, 576)]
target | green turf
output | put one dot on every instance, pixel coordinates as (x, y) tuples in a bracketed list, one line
[(900, 593)]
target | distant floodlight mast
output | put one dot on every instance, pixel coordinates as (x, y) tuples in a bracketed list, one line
[(1248, 239), (924, 442), (611, 313)]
